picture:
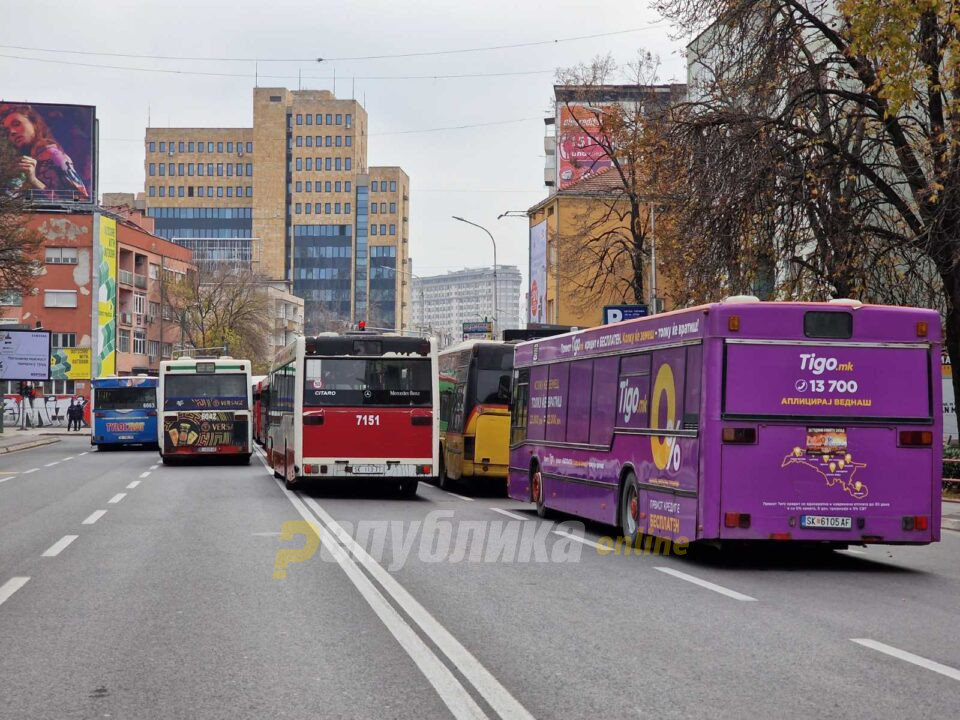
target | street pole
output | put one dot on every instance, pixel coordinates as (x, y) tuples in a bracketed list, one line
[(496, 314), (653, 258)]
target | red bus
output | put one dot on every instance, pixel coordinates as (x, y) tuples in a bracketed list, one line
[(358, 405)]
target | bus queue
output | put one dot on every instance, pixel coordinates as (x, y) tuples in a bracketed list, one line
[(739, 421)]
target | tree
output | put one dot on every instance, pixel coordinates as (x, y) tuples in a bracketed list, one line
[(219, 306), (19, 243), (828, 133), (617, 133)]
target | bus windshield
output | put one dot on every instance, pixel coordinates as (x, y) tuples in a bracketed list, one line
[(227, 391), (367, 381), (494, 368), (132, 398)]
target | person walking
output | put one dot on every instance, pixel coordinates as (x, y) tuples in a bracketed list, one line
[(74, 413)]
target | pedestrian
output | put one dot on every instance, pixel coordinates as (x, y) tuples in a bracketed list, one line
[(70, 414), (74, 413)]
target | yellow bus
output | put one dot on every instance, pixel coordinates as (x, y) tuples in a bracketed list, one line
[(475, 381)]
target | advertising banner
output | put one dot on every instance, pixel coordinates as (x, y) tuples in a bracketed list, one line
[(578, 128), (538, 273), (478, 331), (821, 381), (107, 297), (48, 151), (24, 355), (202, 430), (70, 364)]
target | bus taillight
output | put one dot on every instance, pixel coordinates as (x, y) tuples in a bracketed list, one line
[(423, 469), (915, 522), (736, 520), (916, 438)]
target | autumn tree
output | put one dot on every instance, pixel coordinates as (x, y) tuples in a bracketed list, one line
[(19, 243), (610, 133), (218, 306), (825, 136)]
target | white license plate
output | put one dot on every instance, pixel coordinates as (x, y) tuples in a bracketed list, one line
[(826, 522), (125, 437), (207, 449), (368, 470)]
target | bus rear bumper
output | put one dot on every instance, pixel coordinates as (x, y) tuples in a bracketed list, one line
[(403, 468), (863, 530)]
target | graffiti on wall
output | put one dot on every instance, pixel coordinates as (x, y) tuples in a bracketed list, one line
[(41, 411)]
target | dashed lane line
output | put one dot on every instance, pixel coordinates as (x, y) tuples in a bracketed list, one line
[(51, 464), (462, 497), (59, 546), (154, 467), (909, 657), (83, 453), (706, 584), (510, 514), (27, 472), (93, 517), (6, 478), (117, 498), (70, 457), (10, 587), (144, 474), (133, 484)]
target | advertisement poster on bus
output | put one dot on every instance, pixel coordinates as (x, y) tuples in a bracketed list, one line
[(199, 430), (70, 364), (106, 264), (24, 355), (48, 151), (580, 156), (538, 273)]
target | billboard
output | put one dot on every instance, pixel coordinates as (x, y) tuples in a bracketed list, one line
[(48, 151), (70, 364), (478, 331), (106, 264), (538, 273), (579, 156), (24, 355)]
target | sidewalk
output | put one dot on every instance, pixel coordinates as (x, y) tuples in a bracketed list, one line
[(951, 516), (14, 439)]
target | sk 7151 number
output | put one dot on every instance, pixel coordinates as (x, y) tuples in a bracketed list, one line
[(368, 420)]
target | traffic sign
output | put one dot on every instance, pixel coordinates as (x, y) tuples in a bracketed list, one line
[(618, 313)]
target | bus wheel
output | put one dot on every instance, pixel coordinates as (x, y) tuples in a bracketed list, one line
[(630, 509), (408, 488), (538, 494)]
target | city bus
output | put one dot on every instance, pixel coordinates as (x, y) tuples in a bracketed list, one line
[(359, 406), (124, 411), (261, 403), (475, 381), (738, 421), (206, 405)]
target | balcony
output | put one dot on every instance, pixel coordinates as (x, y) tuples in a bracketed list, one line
[(126, 318), (140, 281), (126, 277)]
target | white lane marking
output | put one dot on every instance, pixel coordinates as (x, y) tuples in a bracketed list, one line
[(68, 458), (83, 453), (10, 587), (133, 484), (154, 467), (55, 462), (6, 478), (451, 692), (93, 517), (266, 534), (705, 584), (117, 498), (27, 472), (59, 546), (458, 496), (495, 694), (856, 552), (510, 514), (582, 541), (909, 657), (144, 474)]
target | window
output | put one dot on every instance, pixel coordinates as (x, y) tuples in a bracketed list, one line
[(299, 119), (220, 191), (63, 340), (171, 191), (337, 185), (346, 208), (210, 169), (250, 169), (190, 169), (348, 163), (171, 169), (297, 208), (319, 119), (326, 208), (336, 208), (229, 147), (327, 186), (200, 147), (180, 169), (328, 164), (373, 186), (307, 207), (518, 406), (200, 167), (318, 209), (393, 229), (139, 303), (348, 140), (249, 147), (180, 192), (298, 186), (139, 342), (329, 120), (393, 186), (220, 146), (153, 348), (60, 298), (219, 169), (299, 163), (337, 164), (249, 191), (299, 142), (154, 271), (189, 147), (229, 190), (209, 190), (163, 170), (373, 229), (239, 169), (9, 298), (309, 119), (308, 162), (328, 141), (383, 229), (210, 147), (309, 186), (152, 146), (373, 209), (339, 141), (349, 120), (383, 208), (339, 119), (152, 191), (124, 341), (180, 148), (163, 191), (347, 185), (189, 190), (309, 140), (153, 169), (163, 146), (229, 169), (393, 207), (200, 191)]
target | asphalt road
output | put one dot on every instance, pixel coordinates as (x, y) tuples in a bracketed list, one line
[(166, 606)]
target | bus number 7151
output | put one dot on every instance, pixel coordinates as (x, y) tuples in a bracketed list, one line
[(368, 420)]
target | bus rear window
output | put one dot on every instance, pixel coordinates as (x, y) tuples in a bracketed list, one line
[(837, 325), (125, 398), (367, 381), (222, 391)]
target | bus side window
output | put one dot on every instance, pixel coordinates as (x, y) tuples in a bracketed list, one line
[(557, 402), (691, 404), (518, 410), (667, 388), (578, 414), (604, 399), (538, 402)]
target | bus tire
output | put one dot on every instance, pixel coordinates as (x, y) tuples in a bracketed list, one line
[(537, 493), (408, 488), (630, 509)]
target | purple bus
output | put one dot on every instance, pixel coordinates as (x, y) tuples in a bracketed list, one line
[(742, 420)]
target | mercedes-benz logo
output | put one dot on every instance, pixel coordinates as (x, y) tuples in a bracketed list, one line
[(367, 394)]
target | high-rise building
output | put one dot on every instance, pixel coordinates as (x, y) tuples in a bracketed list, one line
[(443, 303), (295, 195)]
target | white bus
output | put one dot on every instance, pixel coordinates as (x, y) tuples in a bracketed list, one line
[(205, 406)]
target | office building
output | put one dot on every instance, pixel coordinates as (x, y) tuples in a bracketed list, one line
[(294, 196), (443, 303)]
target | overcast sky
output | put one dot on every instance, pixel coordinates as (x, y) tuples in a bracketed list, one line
[(478, 172)]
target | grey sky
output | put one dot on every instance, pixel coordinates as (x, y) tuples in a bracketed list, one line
[(477, 173)]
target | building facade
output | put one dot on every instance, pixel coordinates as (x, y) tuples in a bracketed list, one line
[(294, 196), (441, 304)]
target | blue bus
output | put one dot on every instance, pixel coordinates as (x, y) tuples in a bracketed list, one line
[(124, 412)]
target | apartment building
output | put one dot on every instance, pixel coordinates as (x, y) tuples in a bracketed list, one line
[(293, 194)]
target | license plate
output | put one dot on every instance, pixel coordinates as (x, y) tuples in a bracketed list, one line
[(125, 437), (826, 522), (368, 470), (207, 449)]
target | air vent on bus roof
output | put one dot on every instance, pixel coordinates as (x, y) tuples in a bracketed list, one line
[(849, 302), (730, 299)]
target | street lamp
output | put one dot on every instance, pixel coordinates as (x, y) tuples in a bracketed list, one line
[(495, 286)]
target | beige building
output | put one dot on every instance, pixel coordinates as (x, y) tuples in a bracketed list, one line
[(294, 197)]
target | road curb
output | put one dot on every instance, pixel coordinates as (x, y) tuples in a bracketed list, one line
[(27, 445)]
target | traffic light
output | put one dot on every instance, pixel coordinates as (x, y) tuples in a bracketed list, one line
[(362, 325)]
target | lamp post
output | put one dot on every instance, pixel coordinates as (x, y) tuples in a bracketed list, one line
[(496, 288)]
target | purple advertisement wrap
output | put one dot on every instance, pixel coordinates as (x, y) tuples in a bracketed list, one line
[(827, 380)]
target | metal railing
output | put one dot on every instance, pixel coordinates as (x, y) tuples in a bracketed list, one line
[(125, 276)]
